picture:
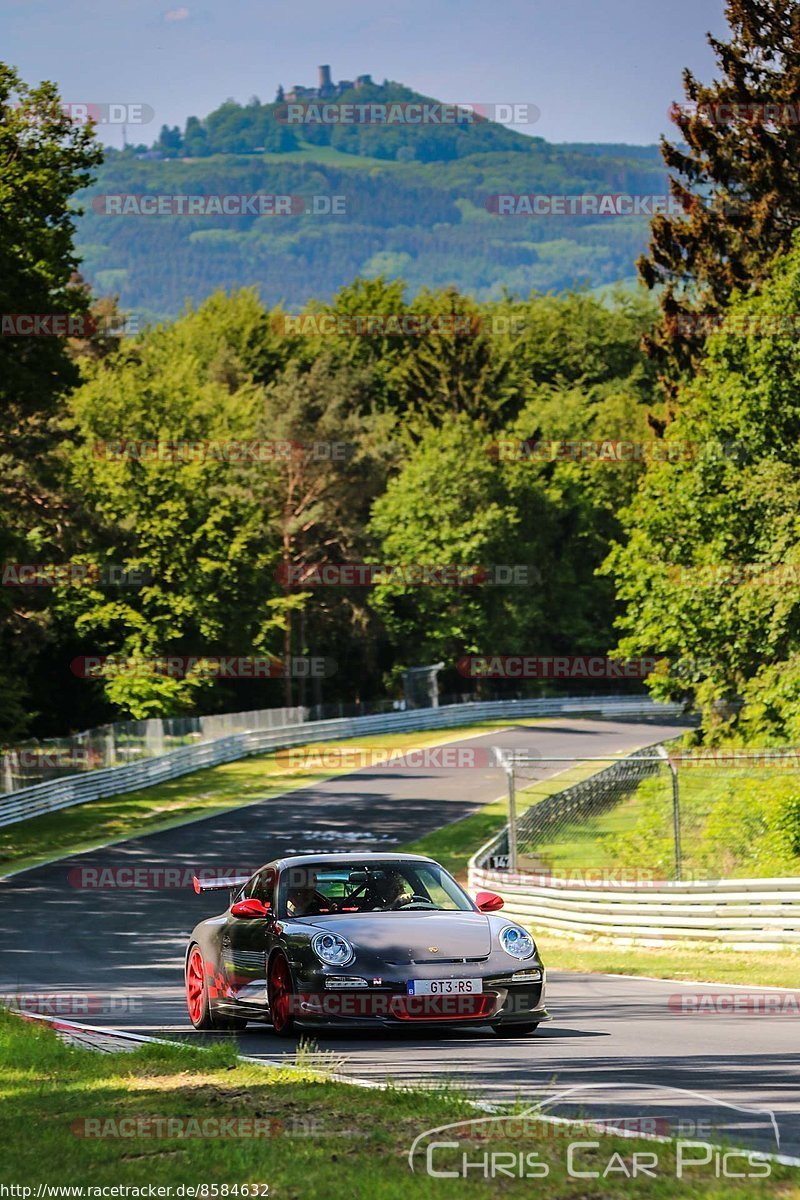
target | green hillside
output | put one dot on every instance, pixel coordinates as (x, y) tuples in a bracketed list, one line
[(415, 204)]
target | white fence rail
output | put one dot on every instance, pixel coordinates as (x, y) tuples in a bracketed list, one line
[(93, 785)]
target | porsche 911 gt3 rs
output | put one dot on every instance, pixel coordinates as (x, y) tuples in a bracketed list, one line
[(361, 939)]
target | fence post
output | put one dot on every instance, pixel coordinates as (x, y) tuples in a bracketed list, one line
[(676, 814), (512, 818)]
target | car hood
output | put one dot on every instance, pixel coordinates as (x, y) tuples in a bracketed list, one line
[(412, 936)]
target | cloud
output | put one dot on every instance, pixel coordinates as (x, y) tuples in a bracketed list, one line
[(177, 14)]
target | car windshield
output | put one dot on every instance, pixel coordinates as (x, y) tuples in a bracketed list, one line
[(317, 889)]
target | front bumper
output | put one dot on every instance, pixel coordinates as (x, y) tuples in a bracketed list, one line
[(331, 997)]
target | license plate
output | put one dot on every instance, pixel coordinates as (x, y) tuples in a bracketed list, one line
[(444, 987)]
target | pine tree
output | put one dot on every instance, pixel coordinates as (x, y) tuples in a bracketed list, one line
[(736, 179)]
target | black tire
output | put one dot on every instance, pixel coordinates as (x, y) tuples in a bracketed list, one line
[(520, 1029), (280, 990)]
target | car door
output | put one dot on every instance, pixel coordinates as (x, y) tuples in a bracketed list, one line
[(245, 943)]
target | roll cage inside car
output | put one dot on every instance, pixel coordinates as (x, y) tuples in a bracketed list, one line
[(317, 888)]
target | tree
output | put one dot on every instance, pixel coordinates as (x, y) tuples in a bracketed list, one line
[(456, 502), (195, 139), (708, 574), (160, 424), (44, 160), (170, 142), (446, 473), (331, 460), (736, 181)]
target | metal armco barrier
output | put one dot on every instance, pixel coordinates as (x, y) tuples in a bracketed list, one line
[(94, 785), (740, 914)]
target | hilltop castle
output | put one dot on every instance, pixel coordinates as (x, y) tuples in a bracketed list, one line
[(327, 89)]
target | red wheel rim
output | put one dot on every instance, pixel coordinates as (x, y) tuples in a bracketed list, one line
[(280, 993), (195, 986)]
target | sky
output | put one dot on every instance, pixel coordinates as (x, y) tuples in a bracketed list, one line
[(597, 70)]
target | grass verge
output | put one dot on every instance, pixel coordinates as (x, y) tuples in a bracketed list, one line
[(317, 1139), (453, 845), (737, 823), (703, 964)]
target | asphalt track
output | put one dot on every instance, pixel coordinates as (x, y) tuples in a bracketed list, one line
[(615, 1045)]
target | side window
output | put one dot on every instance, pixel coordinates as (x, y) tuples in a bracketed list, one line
[(260, 887), (246, 892), (264, 888)]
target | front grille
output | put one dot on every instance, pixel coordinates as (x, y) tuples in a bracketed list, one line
[(443, 962), (426, 1008)]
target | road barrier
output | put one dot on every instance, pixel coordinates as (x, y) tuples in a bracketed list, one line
[(111, 781), (634, 907)]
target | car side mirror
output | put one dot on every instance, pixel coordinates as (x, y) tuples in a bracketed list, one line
[(250, 909), (489, 902)]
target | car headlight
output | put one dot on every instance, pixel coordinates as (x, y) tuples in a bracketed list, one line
[(517, 942), (332, 949)]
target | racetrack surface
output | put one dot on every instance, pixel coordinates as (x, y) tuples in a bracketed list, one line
[(115, 957)]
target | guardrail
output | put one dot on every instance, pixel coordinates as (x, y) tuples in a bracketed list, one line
[(741, 914), (94, 785)]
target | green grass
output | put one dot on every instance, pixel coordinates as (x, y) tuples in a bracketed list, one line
[(320, 1139), (736, 823), (584, 845), (705, 964), (202, 794), (453, 845)]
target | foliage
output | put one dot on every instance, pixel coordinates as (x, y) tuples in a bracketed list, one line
[(736, 176), (44, 159), (708, 574)]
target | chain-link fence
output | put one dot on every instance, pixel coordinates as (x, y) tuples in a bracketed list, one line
[(128, 742), (661, 813)]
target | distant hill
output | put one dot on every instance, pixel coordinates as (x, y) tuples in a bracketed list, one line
[(417, 203), (418, 128)]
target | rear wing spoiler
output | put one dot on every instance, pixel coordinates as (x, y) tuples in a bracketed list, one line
[(218, 883)]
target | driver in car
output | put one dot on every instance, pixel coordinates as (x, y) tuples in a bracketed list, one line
[(393, 890), (305, 900)]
